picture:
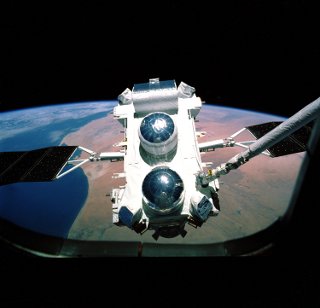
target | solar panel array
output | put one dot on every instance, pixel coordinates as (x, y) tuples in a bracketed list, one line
[(295, 143), (34, 166)]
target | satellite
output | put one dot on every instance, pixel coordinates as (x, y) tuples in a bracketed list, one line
[(166, 185)]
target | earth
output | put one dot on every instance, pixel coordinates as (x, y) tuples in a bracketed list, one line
[(78, 205)]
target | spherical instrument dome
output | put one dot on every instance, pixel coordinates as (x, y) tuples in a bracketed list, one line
[(157, 127), (162, 188)]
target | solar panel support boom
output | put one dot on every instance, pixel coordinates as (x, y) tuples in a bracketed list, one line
[(46, 164)]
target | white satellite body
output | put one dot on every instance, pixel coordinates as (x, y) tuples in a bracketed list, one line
[(161, 158), (166, 186)]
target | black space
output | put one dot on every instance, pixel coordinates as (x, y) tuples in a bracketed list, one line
[(260, 55)]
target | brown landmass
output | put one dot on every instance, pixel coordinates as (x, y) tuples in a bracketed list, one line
[(251, 198)]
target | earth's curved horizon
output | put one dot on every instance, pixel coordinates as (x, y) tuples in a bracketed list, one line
[(251, 197)]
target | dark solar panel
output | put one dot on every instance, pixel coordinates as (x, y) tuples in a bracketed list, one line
[(261, 129), (7, 160), (294, 143), (33, 166)]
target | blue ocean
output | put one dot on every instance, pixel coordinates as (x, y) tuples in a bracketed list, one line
[(49, 208)]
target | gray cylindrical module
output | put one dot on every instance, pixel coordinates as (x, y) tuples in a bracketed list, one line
[(163, 191), (158, 134)]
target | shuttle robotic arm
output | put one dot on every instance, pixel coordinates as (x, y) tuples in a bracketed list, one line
[(280, 139)]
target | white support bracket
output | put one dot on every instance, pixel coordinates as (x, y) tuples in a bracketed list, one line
[(111, 156), (81, 162)]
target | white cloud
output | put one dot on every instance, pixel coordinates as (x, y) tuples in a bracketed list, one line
[(21, 121), (56, 135)]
